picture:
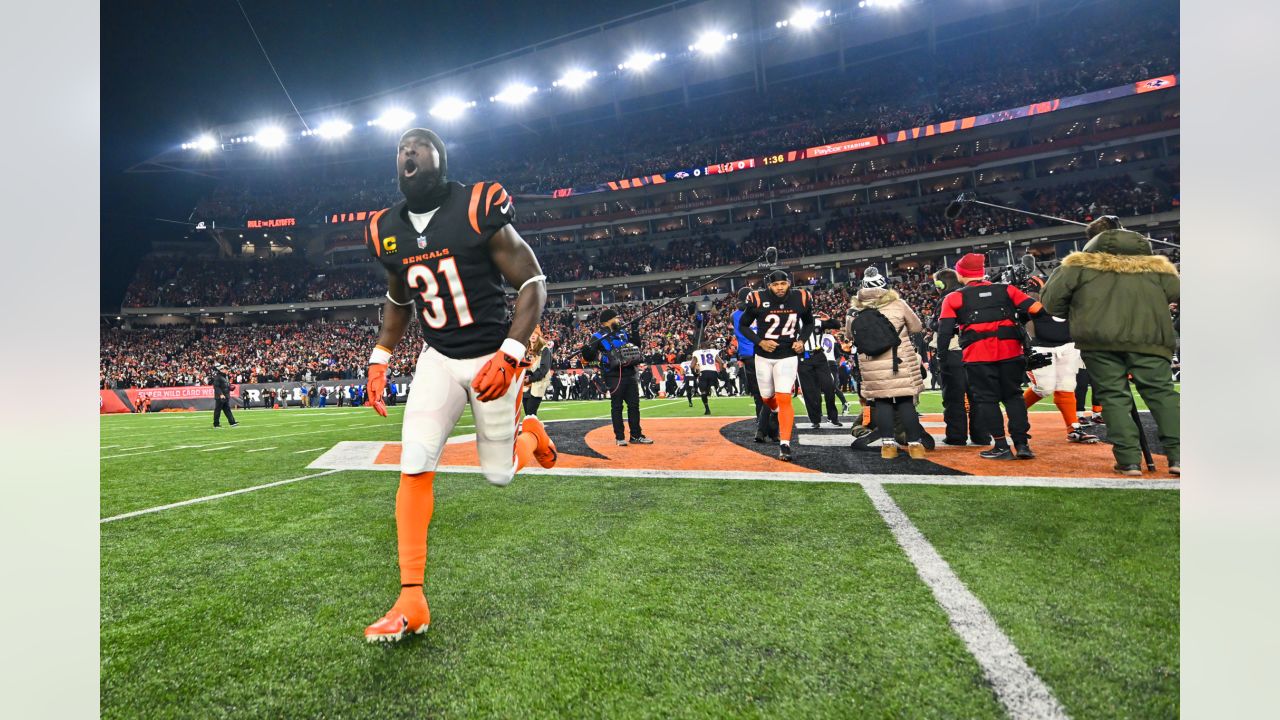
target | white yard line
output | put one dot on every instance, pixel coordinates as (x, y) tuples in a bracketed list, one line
[(261, 449), (207, 498), (214, 449), (1015, 683), (140, 447), (244, 440), (299, 452)]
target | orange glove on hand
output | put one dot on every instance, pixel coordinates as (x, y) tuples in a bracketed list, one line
[(378, 379), (495, 378)]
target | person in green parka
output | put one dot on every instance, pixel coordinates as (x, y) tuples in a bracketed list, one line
[(1115, 294)]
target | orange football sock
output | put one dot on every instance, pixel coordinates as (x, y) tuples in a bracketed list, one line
[(1031, 397), (1066, 402), (786, 416), (414, 502), (1097, 409), (526, 443)]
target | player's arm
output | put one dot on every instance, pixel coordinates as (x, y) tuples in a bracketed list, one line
[(397, 311), (806, 321), (515, 260)]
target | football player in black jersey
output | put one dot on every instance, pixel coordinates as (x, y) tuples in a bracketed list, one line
[(783, 316), (447, 248), (1051, 335)]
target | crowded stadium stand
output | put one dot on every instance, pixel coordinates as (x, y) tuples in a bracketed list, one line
[(840, 148)]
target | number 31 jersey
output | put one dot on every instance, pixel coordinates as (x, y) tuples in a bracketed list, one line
[(456, 288), (781, 320)]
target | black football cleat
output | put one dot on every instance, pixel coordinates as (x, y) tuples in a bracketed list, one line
[(784, 452), (996, 453)]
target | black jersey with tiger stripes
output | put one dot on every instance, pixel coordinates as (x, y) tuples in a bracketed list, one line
[(455, 285), (783, 320)]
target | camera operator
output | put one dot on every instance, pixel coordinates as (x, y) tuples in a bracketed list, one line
[(618, 369), (1115, 294), (992, 345), (959, 411)]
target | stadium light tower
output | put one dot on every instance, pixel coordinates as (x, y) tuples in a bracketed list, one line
[(451, 108), (394, 119), (642, 61), (270, 137), (514, 94), (574, 78), (710, 43), (803, 19)]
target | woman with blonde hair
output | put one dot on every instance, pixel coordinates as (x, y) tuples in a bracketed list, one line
[(891, 377), (538, 374)]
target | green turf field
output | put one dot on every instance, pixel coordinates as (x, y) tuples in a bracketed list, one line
[(602, 597)]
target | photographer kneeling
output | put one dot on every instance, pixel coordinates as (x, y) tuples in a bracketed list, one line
[(618, 355)]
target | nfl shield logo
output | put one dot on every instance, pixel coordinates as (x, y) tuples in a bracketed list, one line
[(422, 241)]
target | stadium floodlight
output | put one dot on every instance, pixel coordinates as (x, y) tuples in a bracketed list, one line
[(394, 119), (514, 94), (270, 137), (451, 108), (204, 143), (710, 43), (803, 19), (574, 78), (332, 129), (641, 61)]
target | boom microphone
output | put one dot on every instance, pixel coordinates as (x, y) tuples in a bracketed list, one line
[(771, 256), (1029, 262)]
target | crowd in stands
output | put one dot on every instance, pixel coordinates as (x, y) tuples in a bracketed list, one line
[(173, 281), (1096, 46), (173, 356)]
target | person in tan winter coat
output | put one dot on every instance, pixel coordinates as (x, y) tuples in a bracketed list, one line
[(891, 391)]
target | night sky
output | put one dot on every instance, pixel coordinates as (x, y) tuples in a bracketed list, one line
[(168, 73)]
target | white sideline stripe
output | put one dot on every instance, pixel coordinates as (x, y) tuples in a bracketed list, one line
[(261, 449), (243, 440), (214, 449), (1016, 685), (140, 447), (299, 452), (359, 455), (108, 447), (207, 498)]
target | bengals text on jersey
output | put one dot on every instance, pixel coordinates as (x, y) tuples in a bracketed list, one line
[(457, 289)]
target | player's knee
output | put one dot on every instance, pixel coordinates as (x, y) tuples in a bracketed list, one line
[(414, 458)]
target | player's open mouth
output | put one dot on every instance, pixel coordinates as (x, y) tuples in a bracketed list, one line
[(410, 168)]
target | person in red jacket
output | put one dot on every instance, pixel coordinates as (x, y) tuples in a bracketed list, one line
[(985, 314)]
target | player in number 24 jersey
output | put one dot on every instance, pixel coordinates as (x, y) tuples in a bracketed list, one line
[(447, 248), (782, 316)]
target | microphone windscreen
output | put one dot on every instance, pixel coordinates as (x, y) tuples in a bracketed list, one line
[(1029, 262), (771, 255), (954, 208)]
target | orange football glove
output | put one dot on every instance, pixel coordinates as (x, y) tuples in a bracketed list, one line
[(378, 379), (495, 378)]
